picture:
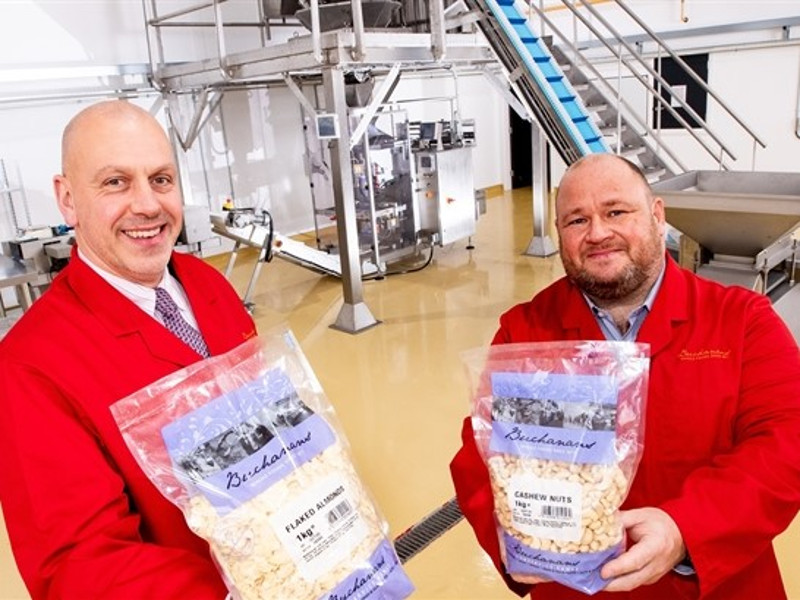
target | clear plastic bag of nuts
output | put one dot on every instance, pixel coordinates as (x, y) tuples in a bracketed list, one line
[(560, 426), (248, 447)]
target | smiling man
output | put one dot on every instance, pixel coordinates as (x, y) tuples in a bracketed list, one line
[(119, 190), (83, 518), (720, 474), (611, 238)]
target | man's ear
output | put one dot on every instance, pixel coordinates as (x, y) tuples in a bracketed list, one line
[(65, 199), (659, 214)]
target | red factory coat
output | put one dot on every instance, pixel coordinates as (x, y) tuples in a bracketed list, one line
[(722, 432), (83, 519)]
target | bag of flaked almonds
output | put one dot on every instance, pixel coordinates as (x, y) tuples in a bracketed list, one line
[(249, 449), (560, 426)]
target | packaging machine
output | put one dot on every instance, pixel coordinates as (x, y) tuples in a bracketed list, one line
[(413, 187)]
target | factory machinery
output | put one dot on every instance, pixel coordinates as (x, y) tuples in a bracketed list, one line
[(740, 228), (32, 254), (413, 188), (314, 48)]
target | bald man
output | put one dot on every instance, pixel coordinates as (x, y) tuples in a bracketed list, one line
[(83, 519), (720, 473)]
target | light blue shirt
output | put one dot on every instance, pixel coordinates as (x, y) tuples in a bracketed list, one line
[(612, 333), (635, 320)]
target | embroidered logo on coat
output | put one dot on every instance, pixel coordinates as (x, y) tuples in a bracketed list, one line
[(703, 354)]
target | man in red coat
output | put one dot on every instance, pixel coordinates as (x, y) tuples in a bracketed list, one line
[(720, 473), (83, 519)]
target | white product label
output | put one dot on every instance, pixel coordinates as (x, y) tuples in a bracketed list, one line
[(546, 508), (320, 527)]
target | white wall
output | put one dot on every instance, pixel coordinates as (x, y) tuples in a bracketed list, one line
[(665, 17), (264, 130), (762, 86), (72, 33), (260, 156), (30, 144)]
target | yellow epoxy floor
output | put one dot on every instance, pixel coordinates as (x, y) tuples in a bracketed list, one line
[(400, 390)]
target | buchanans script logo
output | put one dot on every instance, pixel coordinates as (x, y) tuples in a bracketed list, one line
[(704, 354)]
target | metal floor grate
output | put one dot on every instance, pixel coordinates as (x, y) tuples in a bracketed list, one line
[(417, 537)]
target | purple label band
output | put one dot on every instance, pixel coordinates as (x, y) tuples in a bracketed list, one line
[(283, 454), (580, 446), (232, 408), (598, 389), (580, 571), (383, 578)]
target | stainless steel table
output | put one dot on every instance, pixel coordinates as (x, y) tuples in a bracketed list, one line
[(17, 274)]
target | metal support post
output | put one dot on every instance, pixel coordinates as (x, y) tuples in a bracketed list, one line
[(380, 96), (358, 30), (354, 316), (540, 244), (436, 9)]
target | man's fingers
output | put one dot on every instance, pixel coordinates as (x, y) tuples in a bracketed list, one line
[(529, 579), (625, 583), (634, 516), (630, 570), (629, 562)]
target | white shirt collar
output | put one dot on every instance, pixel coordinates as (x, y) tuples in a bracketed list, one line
[(143, 296)]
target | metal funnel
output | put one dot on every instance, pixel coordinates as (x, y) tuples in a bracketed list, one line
[(732, 213), (338, 15)]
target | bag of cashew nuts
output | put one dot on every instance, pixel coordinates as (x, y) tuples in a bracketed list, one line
[(249, 449), (560, 426)]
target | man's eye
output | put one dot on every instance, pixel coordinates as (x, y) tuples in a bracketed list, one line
[(162, 180), (578, 221), (113, 182), (616, 213)]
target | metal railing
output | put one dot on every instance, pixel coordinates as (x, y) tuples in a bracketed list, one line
[(155, 22), (438, 21), (631, 63), (614, 93)]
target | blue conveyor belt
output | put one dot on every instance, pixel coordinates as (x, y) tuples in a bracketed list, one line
[(543, 71)]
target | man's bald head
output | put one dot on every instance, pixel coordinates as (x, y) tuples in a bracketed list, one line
[(109, 113), (603, 161)]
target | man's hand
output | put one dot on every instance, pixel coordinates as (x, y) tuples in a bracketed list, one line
[(657, 547), (529, 579)]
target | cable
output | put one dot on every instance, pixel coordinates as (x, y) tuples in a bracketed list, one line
[(268, 256), (403, 271)]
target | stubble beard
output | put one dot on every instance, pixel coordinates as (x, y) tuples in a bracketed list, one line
[(640, 271)]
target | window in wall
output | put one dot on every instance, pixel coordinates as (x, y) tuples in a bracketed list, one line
[(681, 87)]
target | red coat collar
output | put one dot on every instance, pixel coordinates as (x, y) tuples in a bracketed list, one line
[(669, 308), (123, 318)]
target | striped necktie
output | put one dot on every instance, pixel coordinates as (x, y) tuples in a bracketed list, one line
[(171, 315)]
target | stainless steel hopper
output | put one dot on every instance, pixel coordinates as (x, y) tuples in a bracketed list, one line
[(338, 15), (745, 220)]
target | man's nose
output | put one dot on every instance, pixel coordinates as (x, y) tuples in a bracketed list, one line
[(599, 230), (145, 201)]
